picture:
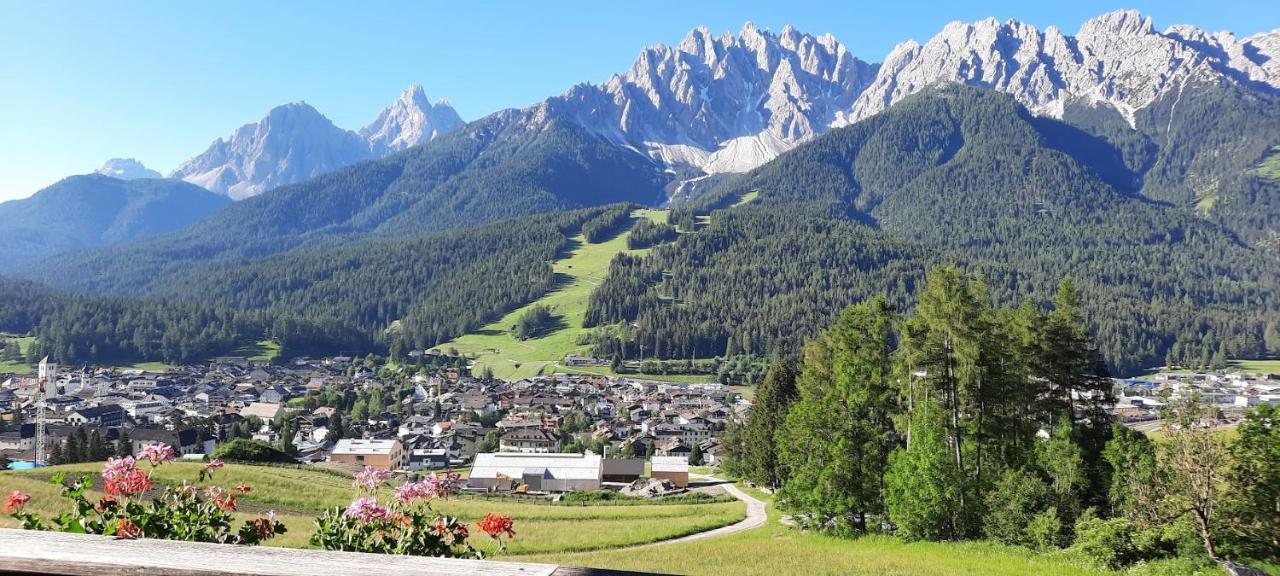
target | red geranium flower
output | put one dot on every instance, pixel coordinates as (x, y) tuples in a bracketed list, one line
[(495, 526), (127, 529), (16, 501)]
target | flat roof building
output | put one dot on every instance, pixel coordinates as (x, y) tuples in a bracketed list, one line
[(384, 454), (539, 472), (673, 468)]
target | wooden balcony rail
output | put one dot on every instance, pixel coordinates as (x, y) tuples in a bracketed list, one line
[(33, 552)]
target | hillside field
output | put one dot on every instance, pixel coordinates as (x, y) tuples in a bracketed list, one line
[(586, 266), (494, 347), (298, 495), (592, 535), (778, 549)]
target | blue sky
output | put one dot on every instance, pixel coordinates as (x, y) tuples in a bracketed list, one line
[(81, 82)]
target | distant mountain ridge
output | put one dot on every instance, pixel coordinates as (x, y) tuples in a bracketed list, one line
[(126, 169), (93, 210), (729, 103), (732, 103), (295, 142)]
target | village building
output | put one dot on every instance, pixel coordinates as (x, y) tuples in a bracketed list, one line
[(673, 468), (536, 472), (530, 440), (384, 454)]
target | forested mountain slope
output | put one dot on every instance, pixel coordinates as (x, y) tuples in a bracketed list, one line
[(509, 164), (92, 210), (374, 295), (953, 174)]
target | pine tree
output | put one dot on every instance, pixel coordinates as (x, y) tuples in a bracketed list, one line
[(695, 454), (82, 444), (924, 489), (97, 449), (71, 453), (836, 439), (758, 452), (124, 445)]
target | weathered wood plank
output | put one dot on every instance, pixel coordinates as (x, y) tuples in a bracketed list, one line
[(31, 552)]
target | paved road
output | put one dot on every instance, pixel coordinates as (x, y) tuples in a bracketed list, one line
[(756, 517)]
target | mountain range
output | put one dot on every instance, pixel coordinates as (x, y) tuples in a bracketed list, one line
[(295, 142), (730, 103), (1144, 161)]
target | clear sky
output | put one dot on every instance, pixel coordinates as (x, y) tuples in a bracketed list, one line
[(81, 82)]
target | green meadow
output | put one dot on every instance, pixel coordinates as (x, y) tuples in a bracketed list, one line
[(299, 494)]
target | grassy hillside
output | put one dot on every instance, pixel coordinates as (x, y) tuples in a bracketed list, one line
[(299, 494), (577, 275)]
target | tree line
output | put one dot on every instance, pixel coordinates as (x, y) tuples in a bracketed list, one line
[(965, 420)]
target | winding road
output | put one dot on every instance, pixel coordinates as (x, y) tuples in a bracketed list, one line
[(756, 516)]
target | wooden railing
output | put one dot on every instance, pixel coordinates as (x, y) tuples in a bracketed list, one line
[(32, 552)]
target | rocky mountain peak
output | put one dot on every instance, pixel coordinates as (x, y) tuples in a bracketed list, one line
[(1118, 23), (291, 143), (1117, 59), (126, 169), (724, 103), (409, 121)]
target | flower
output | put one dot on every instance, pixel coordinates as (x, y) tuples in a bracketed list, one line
[(426, 488), (265, 526), (157, 453), (121, 477), (127, 529), (16, 501), (495, 526), (244, 488), (366, 510), (370, 478), (214, 464), (221, 498)]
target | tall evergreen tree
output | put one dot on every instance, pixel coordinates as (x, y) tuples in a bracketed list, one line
[(757, 451), (124, 444), (1255, 484), (836, 439), (924, 491)]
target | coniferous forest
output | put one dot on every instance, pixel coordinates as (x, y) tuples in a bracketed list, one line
[(963, 420)]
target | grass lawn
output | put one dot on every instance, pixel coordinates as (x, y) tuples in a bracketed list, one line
[(299, 494), (19, 367), (1260, 366), (581, 271), (775, 549), (1270, 165), (260, 351)]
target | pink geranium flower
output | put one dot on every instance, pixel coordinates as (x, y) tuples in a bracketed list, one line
[(157, 453), (370, 478), (366, 510)]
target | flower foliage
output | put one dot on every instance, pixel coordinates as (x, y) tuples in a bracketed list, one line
[(404, 523), (176, 513)]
